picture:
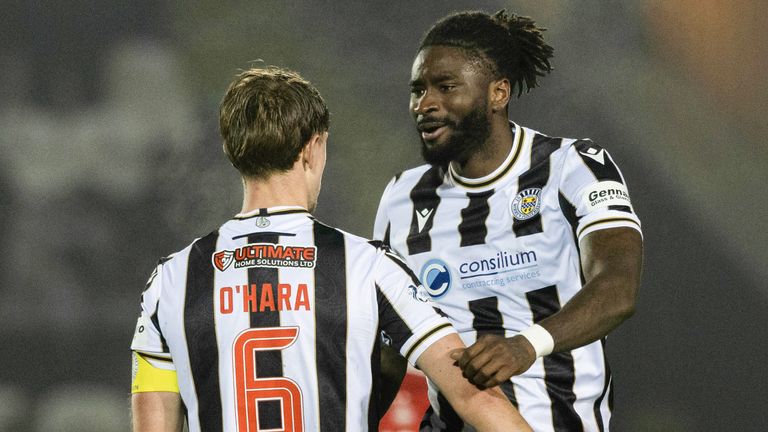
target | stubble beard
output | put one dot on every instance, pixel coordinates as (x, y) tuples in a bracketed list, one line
[(468, 137)]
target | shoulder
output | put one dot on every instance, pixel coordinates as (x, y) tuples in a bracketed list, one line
[(407, 179)]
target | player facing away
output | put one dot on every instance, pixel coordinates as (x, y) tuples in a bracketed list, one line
[(272, 321), (528, 243)]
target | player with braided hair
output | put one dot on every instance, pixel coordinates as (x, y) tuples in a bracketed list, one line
[(528, 243)]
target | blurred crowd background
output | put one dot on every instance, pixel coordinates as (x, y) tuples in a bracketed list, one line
[(110, 159)]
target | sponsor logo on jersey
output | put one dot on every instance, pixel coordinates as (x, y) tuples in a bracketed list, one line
[(436, 277), (526, 204), (265, 255), (222, 259), (264, 298), (262, 222), (502, 262), (606, 194)]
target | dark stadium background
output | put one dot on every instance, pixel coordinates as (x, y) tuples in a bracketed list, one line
[(109, 159)]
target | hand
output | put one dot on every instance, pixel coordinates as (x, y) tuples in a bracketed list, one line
[(494, 359)]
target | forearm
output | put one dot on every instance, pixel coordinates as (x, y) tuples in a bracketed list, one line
[(590, 315), (156, 412), (484, 409), (611, 261)]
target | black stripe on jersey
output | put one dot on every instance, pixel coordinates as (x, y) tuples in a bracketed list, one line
[(374, 403), (569, 212), (472, 228), (268, 363), (606, 171), (391, 322), (537, 177), (606, 388), (488, 320), (331, 326), (386, 234), (200, 332), (559, 374), (425, 201)]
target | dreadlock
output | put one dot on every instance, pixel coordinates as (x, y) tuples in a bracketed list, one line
[(510, 46)]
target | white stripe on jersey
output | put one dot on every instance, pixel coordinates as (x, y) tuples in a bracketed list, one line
[(278, 295), (500, 253)]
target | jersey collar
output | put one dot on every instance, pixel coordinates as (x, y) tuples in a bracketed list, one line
[(271, 211), (500, 172)]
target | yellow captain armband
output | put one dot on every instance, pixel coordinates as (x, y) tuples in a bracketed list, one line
[(152, 374)]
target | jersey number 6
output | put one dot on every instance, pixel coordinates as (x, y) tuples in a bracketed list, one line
[(251, 390)]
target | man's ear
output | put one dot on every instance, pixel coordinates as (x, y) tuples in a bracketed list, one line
[(499, 93), (312, 153)]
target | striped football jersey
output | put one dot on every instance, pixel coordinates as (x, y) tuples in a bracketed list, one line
[(274, 321), (500, 253)]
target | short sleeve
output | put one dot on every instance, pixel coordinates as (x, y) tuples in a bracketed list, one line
[(407, 315), (594, 194), (147, 337)]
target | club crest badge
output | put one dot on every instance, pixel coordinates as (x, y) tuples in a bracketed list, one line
[(526, 204), (223, 259)]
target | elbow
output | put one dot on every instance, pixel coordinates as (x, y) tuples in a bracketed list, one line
[(624, 310)]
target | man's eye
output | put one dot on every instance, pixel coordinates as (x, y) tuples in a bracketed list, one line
[(417, 91), (446, 88)]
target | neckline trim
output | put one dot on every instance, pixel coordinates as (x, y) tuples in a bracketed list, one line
[(498, 173)]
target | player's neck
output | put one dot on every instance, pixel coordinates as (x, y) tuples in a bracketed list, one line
[(491, 155), (284, 189)]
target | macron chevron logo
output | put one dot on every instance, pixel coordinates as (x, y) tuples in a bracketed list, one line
[(595, 155), (422, 216)]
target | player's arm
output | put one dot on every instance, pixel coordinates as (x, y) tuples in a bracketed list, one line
[(611, 260), (485, 410), (157, 412)]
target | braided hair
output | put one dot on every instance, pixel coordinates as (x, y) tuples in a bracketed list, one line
[(508, 46)]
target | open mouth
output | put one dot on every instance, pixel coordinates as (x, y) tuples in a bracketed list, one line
[(430, 131)]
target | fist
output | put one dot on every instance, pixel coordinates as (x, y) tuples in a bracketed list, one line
[(494, 359)]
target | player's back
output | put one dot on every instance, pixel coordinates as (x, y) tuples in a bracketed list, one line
[(271, 322)]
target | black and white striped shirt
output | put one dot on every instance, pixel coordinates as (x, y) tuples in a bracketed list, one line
[(501, 252), (272, 322)]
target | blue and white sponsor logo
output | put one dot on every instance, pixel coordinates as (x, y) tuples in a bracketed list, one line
[(436, 277)]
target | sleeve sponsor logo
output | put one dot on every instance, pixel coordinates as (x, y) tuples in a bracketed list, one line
[(606, 194), (526, 204), (265, 255)]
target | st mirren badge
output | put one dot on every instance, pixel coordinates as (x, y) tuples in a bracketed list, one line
[(262, 222), (526, 204)]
